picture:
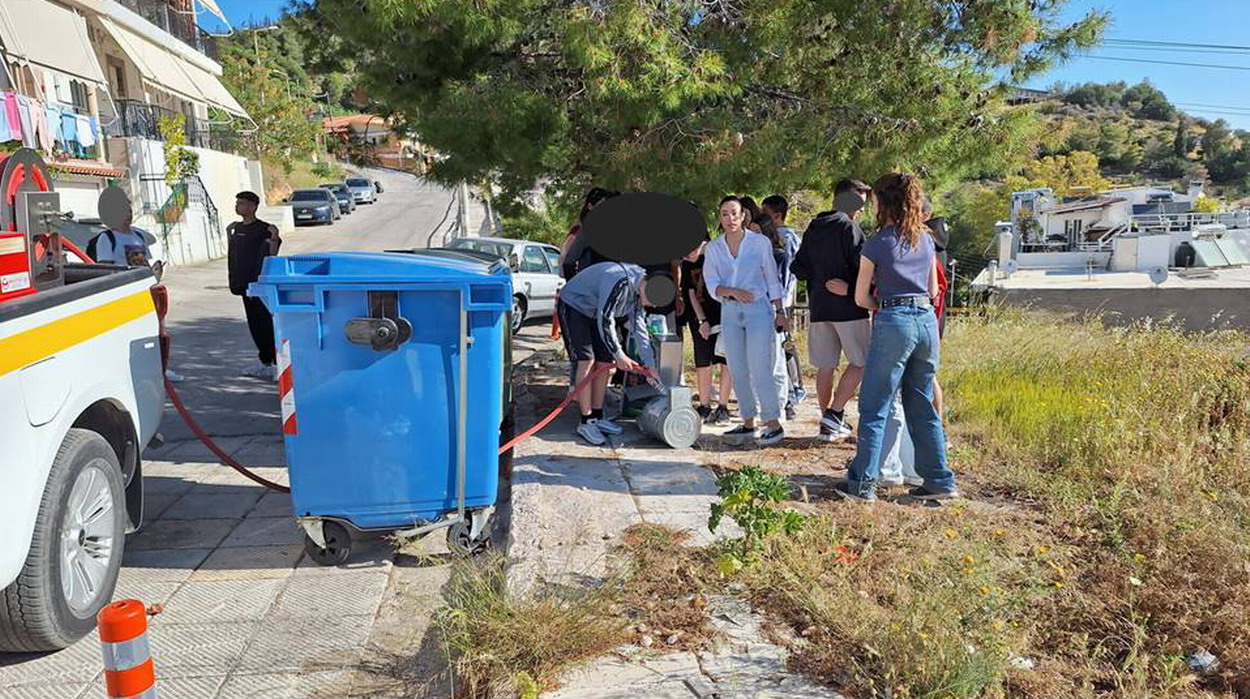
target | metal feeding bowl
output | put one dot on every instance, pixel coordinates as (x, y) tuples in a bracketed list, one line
[(670, 418)]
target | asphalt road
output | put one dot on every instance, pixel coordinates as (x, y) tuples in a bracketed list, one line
[(211, 344)]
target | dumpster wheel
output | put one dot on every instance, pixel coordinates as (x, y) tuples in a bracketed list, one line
[(338, 546), (461, 543)]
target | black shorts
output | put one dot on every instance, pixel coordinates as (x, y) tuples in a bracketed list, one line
[(581, 337), (704, 350)]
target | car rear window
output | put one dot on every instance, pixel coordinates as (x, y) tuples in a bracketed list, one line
[(309, 195), (357, 182), (493, 248)]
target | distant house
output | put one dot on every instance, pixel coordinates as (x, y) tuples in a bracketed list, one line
[(380, 140)]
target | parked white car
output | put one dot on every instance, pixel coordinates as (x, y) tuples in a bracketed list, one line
[(536, 280)]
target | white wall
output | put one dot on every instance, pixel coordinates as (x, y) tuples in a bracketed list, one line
[(80, 197), (224, 175), (1061, 260)]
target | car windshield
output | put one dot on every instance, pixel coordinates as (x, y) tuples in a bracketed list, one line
[(357, 182), (336, 188), (488, 246), (309, 195)]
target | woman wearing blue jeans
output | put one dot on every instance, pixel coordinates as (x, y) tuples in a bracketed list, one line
[(903, 353), (739, 269)]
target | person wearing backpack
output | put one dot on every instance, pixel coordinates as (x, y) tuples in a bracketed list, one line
[(250, 241), (121, 243)]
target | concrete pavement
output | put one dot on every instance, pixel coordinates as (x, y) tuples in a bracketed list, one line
[(247, 615), (572, 502)]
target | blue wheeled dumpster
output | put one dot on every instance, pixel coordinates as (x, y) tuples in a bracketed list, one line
[(393, 382)]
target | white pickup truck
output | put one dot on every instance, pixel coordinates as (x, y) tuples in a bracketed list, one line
[(81, 381)]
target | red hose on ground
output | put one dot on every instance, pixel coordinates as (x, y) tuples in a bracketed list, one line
[(208, 442), (559, 408)]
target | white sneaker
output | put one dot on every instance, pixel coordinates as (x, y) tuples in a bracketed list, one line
[(589, 431), (608, 427), (257, 370), (913, 481), (174, 377)]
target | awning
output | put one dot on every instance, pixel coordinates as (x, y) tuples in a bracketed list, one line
[(215, 93), (49, 35), (211, 6), (170, 72), (83, 167)]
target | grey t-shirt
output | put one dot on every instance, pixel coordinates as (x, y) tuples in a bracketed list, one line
[(900, 270)]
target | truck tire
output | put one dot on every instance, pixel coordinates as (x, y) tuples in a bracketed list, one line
[(82, 519)]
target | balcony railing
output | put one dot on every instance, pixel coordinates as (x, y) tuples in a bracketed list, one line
[(176, 17), (143, 120)]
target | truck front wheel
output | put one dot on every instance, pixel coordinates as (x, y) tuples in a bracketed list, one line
[(75, 553)]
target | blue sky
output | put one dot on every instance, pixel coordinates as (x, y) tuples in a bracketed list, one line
[(1204, 92)]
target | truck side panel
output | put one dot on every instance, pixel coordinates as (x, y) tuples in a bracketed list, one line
[(56, 362)]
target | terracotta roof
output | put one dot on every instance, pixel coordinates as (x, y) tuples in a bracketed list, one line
[(85, 167), (343, 122)]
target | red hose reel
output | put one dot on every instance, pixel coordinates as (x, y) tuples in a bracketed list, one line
[(30, 255)]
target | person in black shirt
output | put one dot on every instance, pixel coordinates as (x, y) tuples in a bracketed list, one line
[(702, 317), (828, 260), (250, 242)]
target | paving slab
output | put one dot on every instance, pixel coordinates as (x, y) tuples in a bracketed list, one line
[(250, 563), (307, 644), (161, 565), (201, 504), (273, 504), (51, 691), (197, 650), (261, 531), (316, 597), (182, 534), (283, 685), (207, 601)]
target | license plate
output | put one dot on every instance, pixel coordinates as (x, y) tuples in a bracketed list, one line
[(303, 216)]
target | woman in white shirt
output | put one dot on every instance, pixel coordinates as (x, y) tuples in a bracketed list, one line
[(741, 272)]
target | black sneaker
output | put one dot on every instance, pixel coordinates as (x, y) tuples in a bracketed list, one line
[(771, 436), (923, 493), (826, 434), (843, 491), (740, 435), (720, 416), (839, 427), (705, 412)]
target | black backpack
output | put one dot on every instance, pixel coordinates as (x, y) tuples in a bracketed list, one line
[(92, 246)]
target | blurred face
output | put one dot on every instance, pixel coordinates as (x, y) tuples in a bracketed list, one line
[(731, 216), (777, 218), (244, 207)]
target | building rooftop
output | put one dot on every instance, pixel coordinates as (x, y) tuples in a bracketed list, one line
[(1061, 279), (1082, 205)]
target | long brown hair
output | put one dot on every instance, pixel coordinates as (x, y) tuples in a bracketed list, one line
[(900, 200)]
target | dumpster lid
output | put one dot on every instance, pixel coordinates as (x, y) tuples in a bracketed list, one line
[(373, 267)]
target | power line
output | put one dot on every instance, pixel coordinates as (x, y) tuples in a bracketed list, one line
[(1152, 42), (1168, 63), (1169, 49)]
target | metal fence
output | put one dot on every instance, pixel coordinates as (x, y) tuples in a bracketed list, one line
[(143, 120), (176, 17)]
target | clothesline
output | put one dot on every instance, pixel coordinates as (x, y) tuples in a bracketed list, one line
[(41, 125)]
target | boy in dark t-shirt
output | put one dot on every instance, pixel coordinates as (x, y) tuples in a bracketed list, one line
[(250, 242)]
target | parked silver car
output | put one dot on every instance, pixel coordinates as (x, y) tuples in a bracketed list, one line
[(536, 280), (363, 191)]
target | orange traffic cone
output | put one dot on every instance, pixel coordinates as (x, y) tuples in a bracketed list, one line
[(128, 668)]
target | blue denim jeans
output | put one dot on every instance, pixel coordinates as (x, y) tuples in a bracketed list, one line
[(902, 357), (900, 453), (751, 346)]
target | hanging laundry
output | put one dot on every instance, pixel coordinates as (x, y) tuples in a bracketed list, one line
[(69, 131), (95, 129), (24, 107), (47, 138), (53, 116), (13, 116), (85, 135), (5, 132)]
